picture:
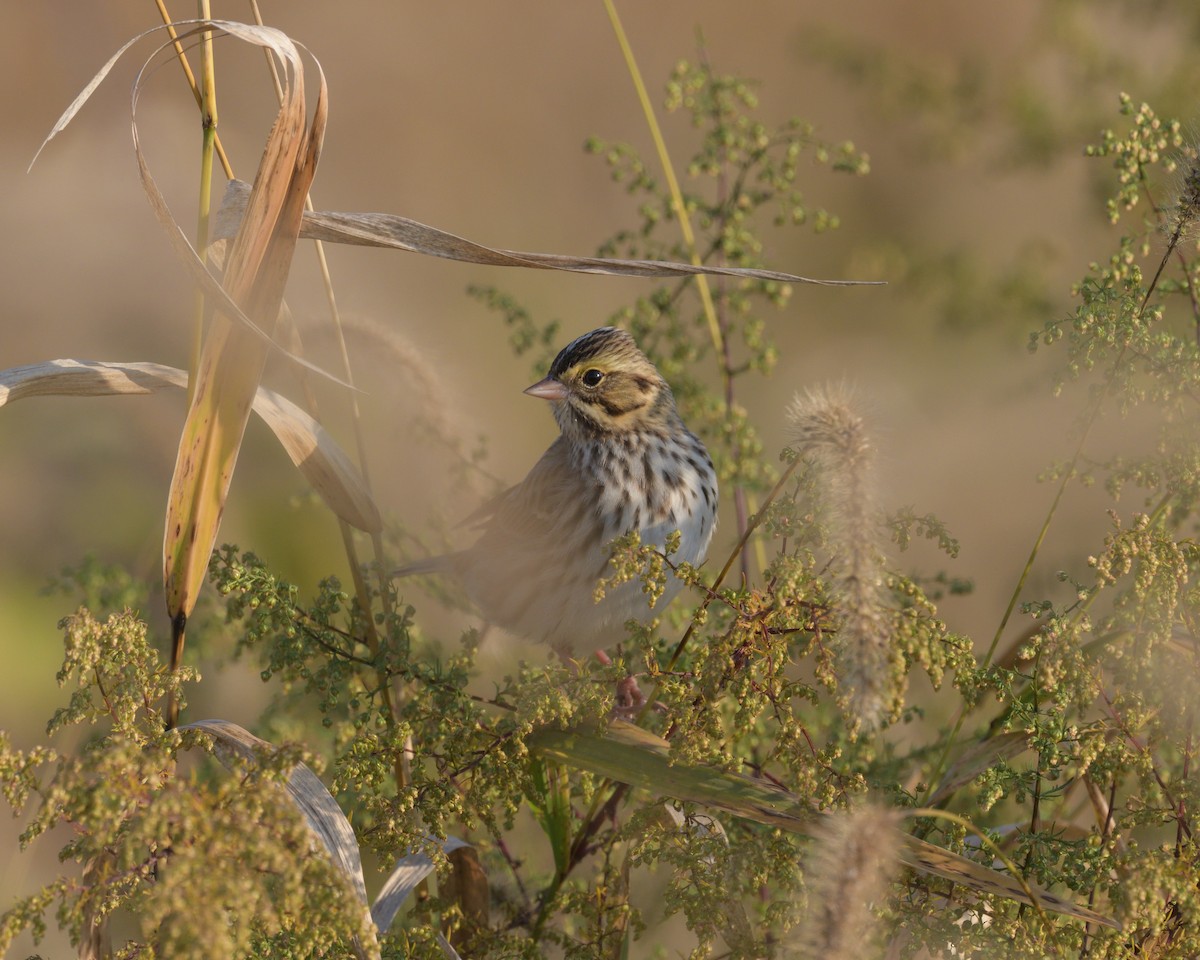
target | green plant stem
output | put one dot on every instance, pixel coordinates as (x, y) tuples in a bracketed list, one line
[(760, 548), (181, 56), (664, 158), (716, 328), (206, 95)]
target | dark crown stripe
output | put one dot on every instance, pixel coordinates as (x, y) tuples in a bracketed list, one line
[(584, 348)]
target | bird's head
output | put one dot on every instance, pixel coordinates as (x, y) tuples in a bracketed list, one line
[(601, 383)]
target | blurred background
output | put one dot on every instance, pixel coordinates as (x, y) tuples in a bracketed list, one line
[(979, 211)]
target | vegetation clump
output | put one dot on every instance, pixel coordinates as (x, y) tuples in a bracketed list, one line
[(781, 791)]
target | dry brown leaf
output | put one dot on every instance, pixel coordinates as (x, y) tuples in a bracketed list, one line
[(318, 456), (315, 803), (401, 233), (629, 754), (231, 363)]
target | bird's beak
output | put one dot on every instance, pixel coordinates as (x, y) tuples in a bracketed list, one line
[(548, 389)]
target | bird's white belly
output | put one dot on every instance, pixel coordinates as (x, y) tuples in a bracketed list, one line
[(684, 509)]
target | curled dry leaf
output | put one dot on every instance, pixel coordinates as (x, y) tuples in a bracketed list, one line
[(231, 362), (329, 824), (312, 799), (320, 811), (406, 875), (322, 461), (246, 304), (267, 37), (400, 233)]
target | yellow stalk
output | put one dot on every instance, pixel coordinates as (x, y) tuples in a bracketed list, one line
[(685, 225), (760, 548), (664, 158), (208, 121), (191, 81)]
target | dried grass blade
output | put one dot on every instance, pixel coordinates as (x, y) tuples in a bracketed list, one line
[(85, 94), (312, 799), (321, 459), (405, 877), (629, 754), (232, 360), (315, 803), (309, 445), (84, 378), (976, 759), (201, 275), (930, 858), (401, 233), (251, 33), (327, 822)]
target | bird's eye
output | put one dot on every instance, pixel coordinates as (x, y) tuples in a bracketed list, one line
[(592, 377)]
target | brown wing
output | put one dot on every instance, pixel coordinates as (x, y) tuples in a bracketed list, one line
[(479, 517), (536, 507), (549, 471), (512, 519), (535, 565)]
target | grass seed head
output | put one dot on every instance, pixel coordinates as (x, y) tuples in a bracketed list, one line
[(829, 430)]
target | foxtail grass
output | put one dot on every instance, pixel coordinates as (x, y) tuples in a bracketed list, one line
[(849, 867), (828, 430)]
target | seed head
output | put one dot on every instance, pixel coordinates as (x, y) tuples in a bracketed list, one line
[(853, 858), (829, 431)]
